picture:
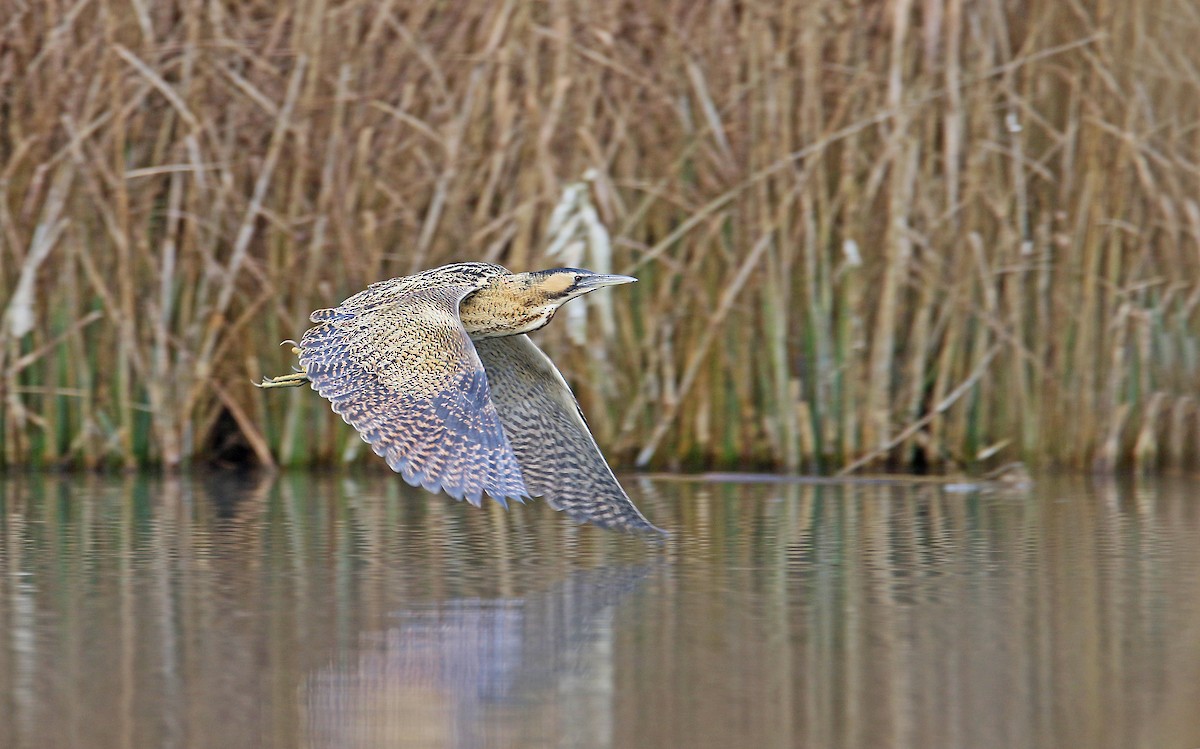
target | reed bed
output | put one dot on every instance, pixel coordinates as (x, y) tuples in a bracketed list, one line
[(912, 232)]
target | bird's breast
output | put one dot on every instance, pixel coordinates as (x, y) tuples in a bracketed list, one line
[(499, 328)]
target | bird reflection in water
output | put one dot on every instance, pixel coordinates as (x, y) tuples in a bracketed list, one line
[(467, 672)]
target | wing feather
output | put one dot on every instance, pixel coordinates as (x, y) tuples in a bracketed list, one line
[(399, 368), (559, 458)]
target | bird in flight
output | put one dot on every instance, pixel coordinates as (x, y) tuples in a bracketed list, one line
[(435, 371)]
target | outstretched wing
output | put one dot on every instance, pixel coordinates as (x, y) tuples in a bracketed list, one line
[(559, 458), (399, 368)]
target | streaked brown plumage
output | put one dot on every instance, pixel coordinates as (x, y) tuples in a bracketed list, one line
[(436, 373)]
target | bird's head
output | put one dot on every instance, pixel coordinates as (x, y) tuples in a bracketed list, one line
[(523, 302), (553, 288)]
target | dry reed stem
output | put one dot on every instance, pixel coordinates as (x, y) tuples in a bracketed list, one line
[(839, 213)]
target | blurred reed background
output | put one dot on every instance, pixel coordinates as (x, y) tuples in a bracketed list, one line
[(912, 231)]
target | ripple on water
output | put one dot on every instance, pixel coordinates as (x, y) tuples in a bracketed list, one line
[(316, 610)]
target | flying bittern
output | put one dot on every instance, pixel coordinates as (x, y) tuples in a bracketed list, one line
[(436, 373)]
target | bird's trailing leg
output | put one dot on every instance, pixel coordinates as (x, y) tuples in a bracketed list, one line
[(293, 380)]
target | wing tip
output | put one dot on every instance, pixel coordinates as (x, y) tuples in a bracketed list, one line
[(635, 522), (641, 526)]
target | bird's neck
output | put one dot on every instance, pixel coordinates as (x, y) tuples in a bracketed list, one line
[(503, 309)]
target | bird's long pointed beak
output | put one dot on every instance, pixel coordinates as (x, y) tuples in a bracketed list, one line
[(601, 280)]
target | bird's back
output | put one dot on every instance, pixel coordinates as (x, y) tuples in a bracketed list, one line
[(474, 275)]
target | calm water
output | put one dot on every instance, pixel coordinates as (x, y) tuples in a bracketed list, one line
[(330, 612)]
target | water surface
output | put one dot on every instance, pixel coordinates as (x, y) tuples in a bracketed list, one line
[(309, 611)]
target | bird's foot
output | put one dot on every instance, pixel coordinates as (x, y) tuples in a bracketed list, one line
[(294, 380)]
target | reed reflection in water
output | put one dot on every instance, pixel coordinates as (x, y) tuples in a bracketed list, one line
[(321, 612)]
